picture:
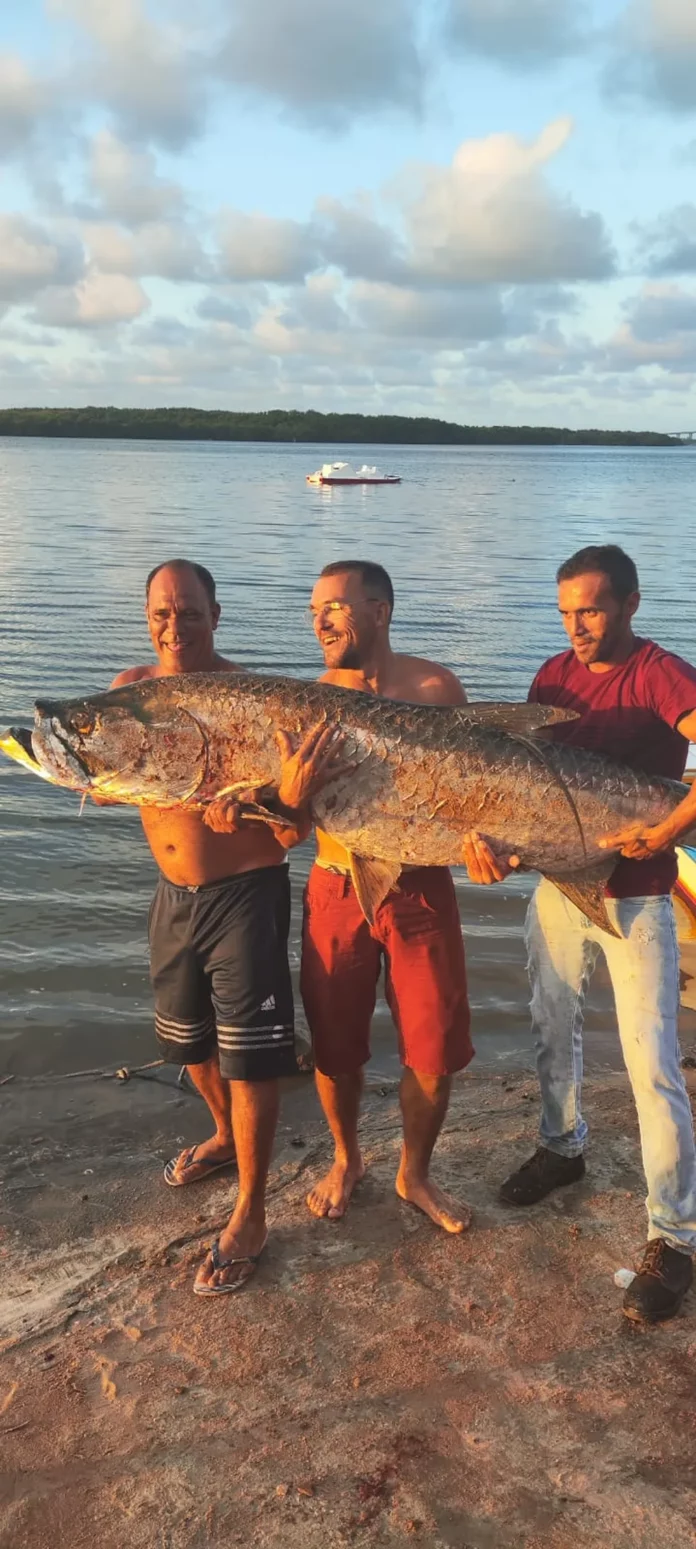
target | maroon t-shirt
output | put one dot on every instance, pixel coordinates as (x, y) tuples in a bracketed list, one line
[(630, 714)]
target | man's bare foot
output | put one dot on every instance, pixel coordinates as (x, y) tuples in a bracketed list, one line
[(330, 1196), (233, 1259), (434, 1202), (198, 1162)]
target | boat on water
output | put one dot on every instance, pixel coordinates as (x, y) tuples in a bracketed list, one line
[(344, 473)]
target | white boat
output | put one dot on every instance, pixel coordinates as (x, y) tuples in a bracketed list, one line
[(344, 473)]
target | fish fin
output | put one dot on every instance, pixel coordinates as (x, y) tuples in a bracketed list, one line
[(254, 812), (585, 889), (253, 800), (518, 720), (372, 880)]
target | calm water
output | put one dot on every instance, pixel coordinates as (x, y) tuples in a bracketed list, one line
[(472, 538)]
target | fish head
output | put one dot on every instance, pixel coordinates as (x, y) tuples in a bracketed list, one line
[(125, 746)]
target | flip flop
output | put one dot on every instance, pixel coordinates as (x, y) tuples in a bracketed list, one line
[(220, 1263), (190, 1161)]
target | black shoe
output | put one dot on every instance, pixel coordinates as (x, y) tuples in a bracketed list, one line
[(544, 1171), (661, 1284)]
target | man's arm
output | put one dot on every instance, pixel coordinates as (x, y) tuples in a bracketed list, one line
[(425, 682), (131, 675), (638, 842)]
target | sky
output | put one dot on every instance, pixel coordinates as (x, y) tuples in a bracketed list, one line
[(480, 210)]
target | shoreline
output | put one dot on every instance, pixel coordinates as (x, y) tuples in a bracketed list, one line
[(284, 427), (378, 1383)]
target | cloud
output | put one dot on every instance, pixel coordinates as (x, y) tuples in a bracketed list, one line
[(127, 183), (262, 247), (23, 99), (30, 258), (150, 76), (448, 318), (491, 216), (96, 301), (168, 250), (655, 54), (670, 242), (235, 307), (317, 305), (519, 34), (325, 62), (660, 330), (352, 239)]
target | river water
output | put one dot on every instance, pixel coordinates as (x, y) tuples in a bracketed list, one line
[(472, 538)]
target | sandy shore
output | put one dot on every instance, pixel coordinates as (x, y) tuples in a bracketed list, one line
[(380, 1384)]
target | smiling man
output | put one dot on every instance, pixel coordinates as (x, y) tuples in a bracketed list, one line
[(636, 703), (417, 933), (218, 938)]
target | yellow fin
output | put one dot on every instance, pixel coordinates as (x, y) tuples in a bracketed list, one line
[(372, 880)]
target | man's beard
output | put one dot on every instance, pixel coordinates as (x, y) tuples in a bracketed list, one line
[(350, 658)]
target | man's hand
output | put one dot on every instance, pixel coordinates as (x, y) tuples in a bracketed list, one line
[(305, 771), (637, 842), (482, 862), (224, 815)]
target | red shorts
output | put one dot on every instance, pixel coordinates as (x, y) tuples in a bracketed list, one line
[(418, 933)]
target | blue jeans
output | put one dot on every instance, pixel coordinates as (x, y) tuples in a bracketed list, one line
[(643, 965)]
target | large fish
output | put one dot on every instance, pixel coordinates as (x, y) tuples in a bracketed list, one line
[(421, 776)]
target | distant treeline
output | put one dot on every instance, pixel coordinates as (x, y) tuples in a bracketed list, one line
[(296, 425)]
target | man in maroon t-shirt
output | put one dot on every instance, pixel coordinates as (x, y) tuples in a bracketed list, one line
[(637, 704)]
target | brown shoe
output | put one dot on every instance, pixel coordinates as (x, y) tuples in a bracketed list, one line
[(664, 1277), (544, 1171)]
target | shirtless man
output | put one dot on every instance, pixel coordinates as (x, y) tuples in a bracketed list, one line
[(218, 939), (417, 931)]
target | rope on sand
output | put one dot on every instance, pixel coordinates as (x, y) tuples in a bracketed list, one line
[(124, 1073)]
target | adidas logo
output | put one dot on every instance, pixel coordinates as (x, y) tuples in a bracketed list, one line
[(269, 1005)]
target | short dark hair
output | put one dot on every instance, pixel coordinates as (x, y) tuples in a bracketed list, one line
[(372, 575), (204, 576), (603, 559)]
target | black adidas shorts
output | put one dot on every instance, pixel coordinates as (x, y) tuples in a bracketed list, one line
[(219, 969)]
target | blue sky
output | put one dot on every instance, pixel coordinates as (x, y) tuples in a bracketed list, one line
[(483, 210)]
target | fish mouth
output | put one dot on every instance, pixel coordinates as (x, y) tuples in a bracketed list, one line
[(22, 738), (57, 758), (18, 745)]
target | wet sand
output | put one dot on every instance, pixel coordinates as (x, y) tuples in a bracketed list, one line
[(378, 1384)]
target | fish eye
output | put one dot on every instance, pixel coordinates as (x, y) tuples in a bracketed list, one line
[(84, 724)]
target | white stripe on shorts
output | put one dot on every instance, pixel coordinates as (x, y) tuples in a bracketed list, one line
[(183, 1035), (266, 1027), (184, 1027)]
